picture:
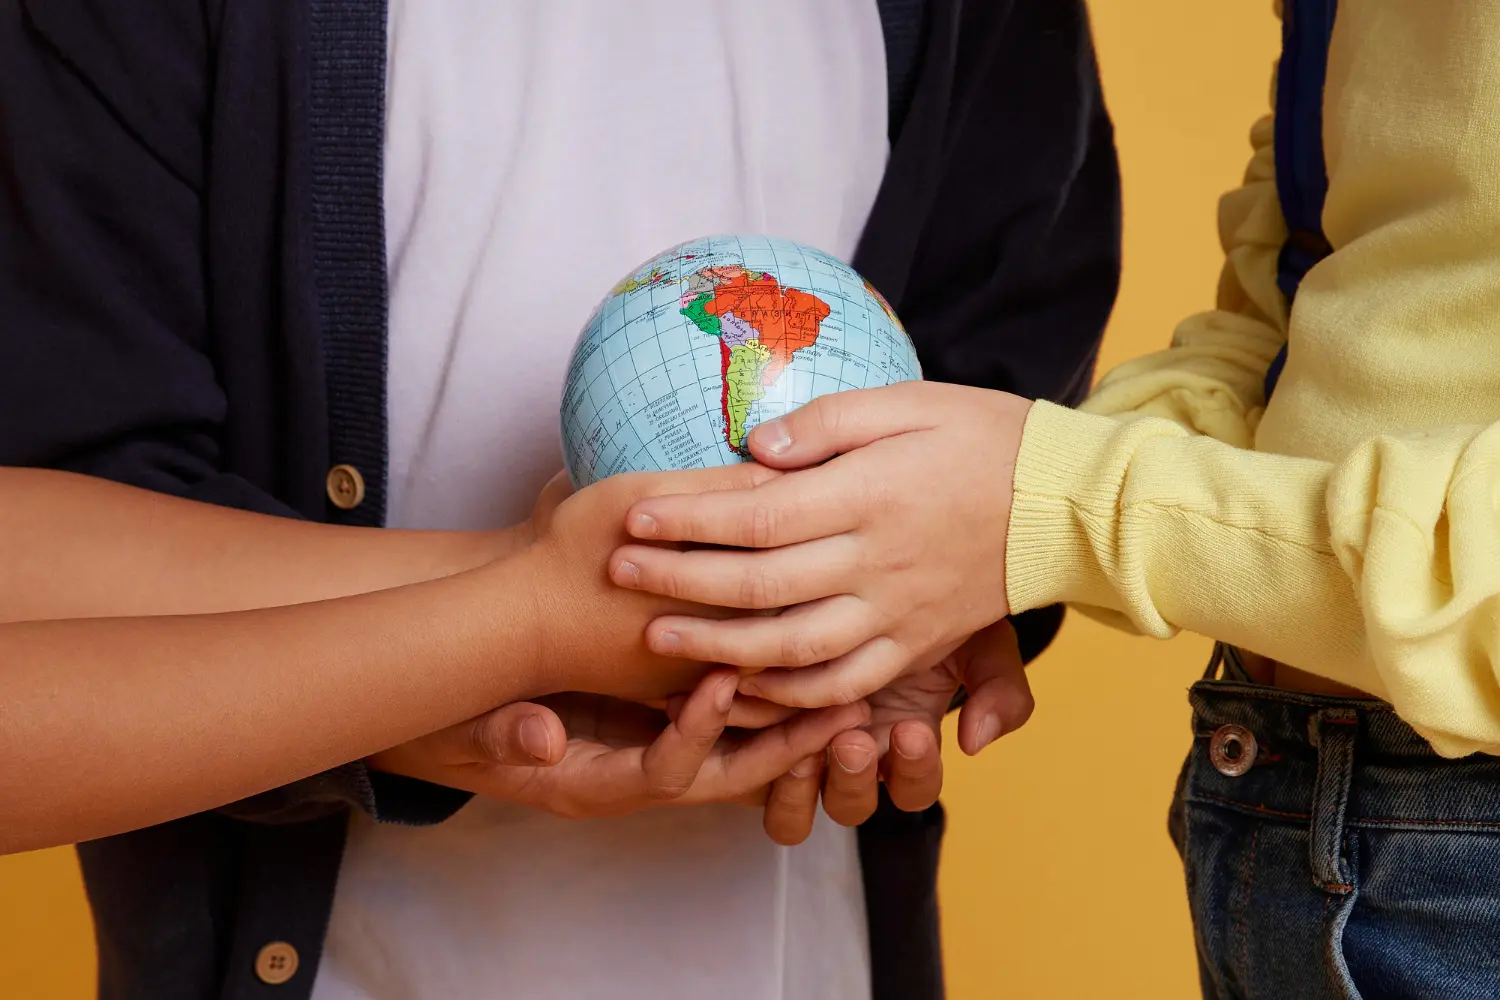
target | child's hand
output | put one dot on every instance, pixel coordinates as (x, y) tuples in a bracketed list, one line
[(587, 756), (901, 746), (586, 634), (885, 556)]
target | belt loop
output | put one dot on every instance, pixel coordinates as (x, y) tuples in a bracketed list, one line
[(1214, 662), (1332, 731)]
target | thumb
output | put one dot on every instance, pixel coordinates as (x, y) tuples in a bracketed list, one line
[(1000, 698), (519, 735), (842, 421)]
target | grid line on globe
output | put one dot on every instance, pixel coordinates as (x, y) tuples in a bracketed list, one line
[(702, 343)]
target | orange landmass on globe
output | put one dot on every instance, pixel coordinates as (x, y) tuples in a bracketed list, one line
[(760, 326), (787, 319)]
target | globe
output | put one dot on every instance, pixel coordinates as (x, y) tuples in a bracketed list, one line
[(693, 349)]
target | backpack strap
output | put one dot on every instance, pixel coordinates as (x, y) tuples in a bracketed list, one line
[(1301, 172)]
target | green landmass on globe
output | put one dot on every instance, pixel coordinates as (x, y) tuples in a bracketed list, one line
[(780, 323)]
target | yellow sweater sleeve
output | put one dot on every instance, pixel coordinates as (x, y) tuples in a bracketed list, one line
[(1381, 572), (1363, 543), (1210, 379)]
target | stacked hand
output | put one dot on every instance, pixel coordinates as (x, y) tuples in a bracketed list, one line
[(607, 753), (889, 553), (884, 558), (901, 745), (591, 756), (886, 553)]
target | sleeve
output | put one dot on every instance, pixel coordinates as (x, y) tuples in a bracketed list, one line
[(1211, 379), (1020, 257), (1379, 570), (105, 355), (1382, 570)]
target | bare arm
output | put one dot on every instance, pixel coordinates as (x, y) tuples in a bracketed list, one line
[(109, 722), (78, 547), (118, 722), (112, 724)]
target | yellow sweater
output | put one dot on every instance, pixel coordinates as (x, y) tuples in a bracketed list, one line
[(1352, 527)]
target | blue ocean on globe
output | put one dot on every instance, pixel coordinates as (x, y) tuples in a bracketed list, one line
[(697, 346)]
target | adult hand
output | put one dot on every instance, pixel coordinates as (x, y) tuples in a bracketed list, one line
[(588, 756), (885, 555), (901, 746)]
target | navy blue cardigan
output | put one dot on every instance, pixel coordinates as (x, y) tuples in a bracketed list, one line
[(192, 300)]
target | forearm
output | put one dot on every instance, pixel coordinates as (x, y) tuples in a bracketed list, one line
[(187, 713), (1376, 572), (79, 547), (1175, 530)]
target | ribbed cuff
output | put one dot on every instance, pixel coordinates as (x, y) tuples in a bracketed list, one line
[(1049, 558)]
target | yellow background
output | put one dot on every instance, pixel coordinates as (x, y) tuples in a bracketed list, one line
[(1058, 879)]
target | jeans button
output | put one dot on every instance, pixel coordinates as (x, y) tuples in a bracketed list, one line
[(1232, 750)]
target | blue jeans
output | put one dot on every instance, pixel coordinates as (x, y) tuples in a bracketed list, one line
[(1330, 853)]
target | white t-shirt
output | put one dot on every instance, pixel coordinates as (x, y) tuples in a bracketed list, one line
[(535, 153)]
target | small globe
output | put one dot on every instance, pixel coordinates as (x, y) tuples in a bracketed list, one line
[(690, 352)]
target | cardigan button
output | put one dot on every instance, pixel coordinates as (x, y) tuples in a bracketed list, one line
[(346, 487), (276, 963)]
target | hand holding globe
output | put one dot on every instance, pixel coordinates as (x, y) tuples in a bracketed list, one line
[(680, 362), (702, 343), (676, 368), (895, 598)]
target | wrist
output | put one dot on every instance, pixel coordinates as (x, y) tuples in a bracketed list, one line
[(460, 551), (511, 586), (1067, 468)]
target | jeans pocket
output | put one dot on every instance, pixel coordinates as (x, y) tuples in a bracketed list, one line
[(1263, 929)]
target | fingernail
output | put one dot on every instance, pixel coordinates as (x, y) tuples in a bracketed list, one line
[(989, 730), (910, 745), (536, 738), (852, 759), (644, 526), (627, 574), (666, 642), (806, 768), (724, 695), (773, 437)]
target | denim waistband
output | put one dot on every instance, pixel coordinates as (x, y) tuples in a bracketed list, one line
[(1393, 777)]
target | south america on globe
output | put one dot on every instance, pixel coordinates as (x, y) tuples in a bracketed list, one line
[(693, 349)]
